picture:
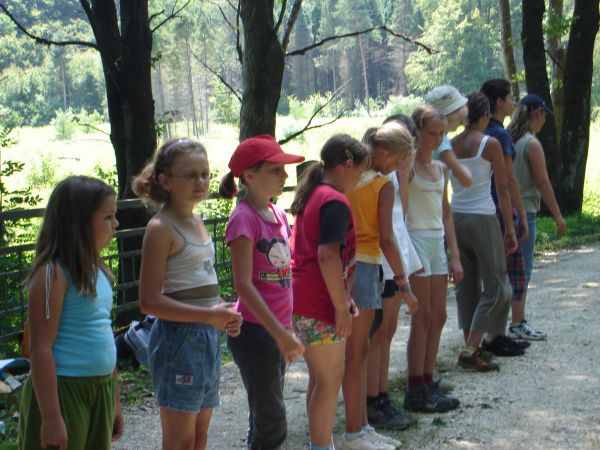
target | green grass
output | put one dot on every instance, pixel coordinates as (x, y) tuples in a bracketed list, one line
[(135, 385)]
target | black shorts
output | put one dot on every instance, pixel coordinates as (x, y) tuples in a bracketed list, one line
[(389, 289)]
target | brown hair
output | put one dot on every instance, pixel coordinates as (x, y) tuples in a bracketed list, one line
[(146, 184), (337, 150), (228, 188), (67, 237)]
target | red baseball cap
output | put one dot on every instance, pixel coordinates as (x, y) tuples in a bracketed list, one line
[(256, 149)]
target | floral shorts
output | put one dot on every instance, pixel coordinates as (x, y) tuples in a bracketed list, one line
[(314, 332)]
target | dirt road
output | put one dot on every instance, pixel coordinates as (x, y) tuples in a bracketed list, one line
[(547, 399)]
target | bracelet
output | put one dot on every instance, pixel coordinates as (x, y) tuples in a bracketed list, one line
[(404, 288), (401, 279), (512, 233)]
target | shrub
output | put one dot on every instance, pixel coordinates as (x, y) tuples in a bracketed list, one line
[(65, 125)]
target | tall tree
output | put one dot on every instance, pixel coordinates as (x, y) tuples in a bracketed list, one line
[(566, 163), (508, 55)]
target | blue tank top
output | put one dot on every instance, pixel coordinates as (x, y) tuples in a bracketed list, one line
[(84, 345)]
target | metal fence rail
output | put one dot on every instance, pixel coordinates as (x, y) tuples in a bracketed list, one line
[(15, 261)]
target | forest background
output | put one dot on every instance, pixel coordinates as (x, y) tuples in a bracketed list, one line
[(53, 98)]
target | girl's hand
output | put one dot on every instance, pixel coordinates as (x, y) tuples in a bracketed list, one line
[(54, 432), (234, 328), (524, 229), (411, 302), (455, 271), (224, 314), (561, 225), (353, 308), (118, 425), (510, 243), (290, 346), (343, 322)]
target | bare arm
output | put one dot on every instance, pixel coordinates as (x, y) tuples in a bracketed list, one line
[(462, 173), (493, 153), (456, 270), (330, 264), (537, 162), (155, 251), (241, 262), (515, 195), (389, 246), (43, 368)]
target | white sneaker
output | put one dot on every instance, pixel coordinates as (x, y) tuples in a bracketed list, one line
[(525, 331), (377, 438), (361, 443)]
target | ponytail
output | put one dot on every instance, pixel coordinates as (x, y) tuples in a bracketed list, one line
[(227, 187), (519, 123), (310, 181)]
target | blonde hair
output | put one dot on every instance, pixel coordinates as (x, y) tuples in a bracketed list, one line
[(519, 123), (424, 115), (392, 136)]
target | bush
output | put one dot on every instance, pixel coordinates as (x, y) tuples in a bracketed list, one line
[(89, 122), (65, 125), (401, 105)]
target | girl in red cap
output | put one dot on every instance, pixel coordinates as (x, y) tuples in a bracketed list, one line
[(257, 234)]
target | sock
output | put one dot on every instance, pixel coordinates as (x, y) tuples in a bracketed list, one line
[(428, 378), (316, 447), (353, 436), (372, 400), (415, 381), (470, 350)]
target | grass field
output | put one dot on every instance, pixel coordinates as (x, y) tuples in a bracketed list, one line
[(48, 160)]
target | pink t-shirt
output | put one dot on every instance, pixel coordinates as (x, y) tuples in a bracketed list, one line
[(271, 258)]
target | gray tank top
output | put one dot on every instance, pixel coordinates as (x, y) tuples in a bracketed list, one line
[(190, 275)]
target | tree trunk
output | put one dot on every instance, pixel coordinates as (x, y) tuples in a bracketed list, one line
[(577, 94), (262, 69), (190, 86), (508, 55), (536, 78), (557, 54)]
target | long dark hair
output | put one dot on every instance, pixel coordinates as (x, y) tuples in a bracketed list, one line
[(67, 234), (494, 89), (337, 150), (478, 105)]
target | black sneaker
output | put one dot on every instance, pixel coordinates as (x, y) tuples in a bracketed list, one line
[(427, 400), (518, 344), (435, 387), (502, 346), (383, 414)]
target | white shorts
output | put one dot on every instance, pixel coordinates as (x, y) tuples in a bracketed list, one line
[(429, 245)]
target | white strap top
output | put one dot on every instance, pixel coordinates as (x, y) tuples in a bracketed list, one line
[(476, 199)]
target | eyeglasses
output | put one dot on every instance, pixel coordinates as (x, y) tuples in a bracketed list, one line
[(194, 177)]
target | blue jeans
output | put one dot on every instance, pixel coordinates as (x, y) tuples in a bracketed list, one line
[(262, 369), (529, 247)]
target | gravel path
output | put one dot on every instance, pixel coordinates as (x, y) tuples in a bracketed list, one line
[(547, 399)]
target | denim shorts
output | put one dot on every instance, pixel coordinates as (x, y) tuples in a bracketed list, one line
[(185, 365), (368, 285)]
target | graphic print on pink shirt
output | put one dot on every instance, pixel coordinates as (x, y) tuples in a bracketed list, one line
[(278, 255)]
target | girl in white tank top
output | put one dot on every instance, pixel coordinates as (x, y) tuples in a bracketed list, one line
[(429, 219)]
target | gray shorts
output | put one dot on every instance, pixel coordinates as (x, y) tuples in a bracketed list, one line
[(185, 364), (368, 285), (483, 296)]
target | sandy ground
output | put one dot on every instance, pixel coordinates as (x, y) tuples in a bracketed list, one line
[(547, 399)]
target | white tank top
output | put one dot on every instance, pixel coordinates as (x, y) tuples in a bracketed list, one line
[(425, 200), (190, 274), (476, 199)]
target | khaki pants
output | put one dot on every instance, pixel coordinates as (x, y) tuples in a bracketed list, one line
[(483, 296)]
